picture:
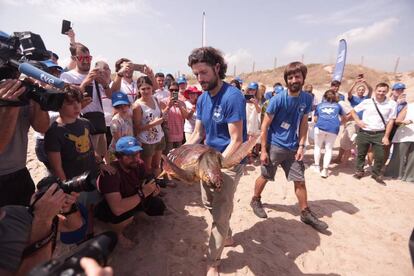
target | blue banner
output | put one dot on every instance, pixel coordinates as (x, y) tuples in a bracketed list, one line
[(340, 61)]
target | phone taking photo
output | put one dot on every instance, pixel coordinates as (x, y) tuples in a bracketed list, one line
[(89, 90), (66, 26), (248, 97), (138, 67)]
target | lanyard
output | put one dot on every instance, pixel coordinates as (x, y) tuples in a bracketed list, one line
[(290, 111)]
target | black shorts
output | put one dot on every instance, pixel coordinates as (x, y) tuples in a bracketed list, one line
[(152, 206), (16, 188), (294, 170)]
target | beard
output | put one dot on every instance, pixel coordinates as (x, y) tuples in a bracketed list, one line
[(208, 86), (295, 87)]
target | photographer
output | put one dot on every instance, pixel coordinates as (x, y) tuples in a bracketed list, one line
[(16, 184), (20, 230), (124, 192)]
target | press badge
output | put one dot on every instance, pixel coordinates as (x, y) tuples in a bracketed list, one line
[(285, 125)]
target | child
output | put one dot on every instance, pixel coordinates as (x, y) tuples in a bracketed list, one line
[(121, 124)]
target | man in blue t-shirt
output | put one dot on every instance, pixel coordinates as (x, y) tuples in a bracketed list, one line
[(283, 135), (361, 86), (221, 118)]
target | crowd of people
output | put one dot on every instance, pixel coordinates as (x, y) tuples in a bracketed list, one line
[(114, 129)]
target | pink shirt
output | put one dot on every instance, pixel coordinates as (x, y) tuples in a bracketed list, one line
[(175, 125)]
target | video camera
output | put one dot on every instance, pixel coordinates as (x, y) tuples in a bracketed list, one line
[(22, 53), (97, 248)]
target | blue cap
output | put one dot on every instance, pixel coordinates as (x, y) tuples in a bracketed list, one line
[(181, 80), (239, 80), (268, 95), (278, 89), (253, 85), (127, 145), (119, 98), (398, 85), (50, 64)]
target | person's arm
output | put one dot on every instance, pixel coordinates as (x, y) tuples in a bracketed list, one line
[(198, 134), (9, 90), (303, 132), (45, 209), (315, 118), (236, 138), (55, 161), (267, 120), (183, 110), (39, 119), (351, 90), (73, 221), (401, 117), (386, 138), (369, 89), (121, 205), (358, 121)]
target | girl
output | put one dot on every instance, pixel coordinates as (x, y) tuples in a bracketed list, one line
[(326, 129)]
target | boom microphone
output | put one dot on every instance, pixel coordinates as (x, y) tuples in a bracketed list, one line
[(40, 75)]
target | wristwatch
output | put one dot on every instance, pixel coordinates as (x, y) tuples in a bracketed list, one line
[(120, 75)]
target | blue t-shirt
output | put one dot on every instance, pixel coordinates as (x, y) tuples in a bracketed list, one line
[(215, 113), (341, 97), (328, 117), (287, 114), (355, 100)]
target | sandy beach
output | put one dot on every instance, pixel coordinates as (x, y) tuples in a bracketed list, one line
[(369, 228)]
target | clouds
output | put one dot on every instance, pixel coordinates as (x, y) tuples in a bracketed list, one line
[(241, 56), (370, 33), (295, 48)]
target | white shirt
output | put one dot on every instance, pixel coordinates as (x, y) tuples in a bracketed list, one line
[(371, 118), (74, 77), (406, 133), (162, 95), (130, 89), (189, 124)]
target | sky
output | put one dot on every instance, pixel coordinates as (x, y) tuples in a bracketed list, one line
[(162, 33)]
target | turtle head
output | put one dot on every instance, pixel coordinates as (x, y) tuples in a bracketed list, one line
[(210, 169)]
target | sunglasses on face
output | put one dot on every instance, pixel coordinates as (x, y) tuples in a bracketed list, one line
[(174, 90), (84, 58)]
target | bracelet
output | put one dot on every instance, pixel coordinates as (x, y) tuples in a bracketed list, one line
[(302, 145), (120, 75), (140, 194)]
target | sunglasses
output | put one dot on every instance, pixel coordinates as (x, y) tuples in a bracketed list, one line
[(84, 58), (174, 90)]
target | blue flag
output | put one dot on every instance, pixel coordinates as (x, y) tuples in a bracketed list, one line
[(340, 61)]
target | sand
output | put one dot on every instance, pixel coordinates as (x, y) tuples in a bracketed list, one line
[(369, 228)]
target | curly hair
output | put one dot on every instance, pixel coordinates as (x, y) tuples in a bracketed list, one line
[(209, 55)]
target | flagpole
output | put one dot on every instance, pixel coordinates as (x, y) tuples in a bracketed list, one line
[(203, 31)]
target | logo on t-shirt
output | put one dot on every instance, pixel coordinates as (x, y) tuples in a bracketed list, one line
[(302, 108), (218, 114), (82, 142)]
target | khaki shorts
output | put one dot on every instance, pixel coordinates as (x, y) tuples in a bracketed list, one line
[(99, 143), (346, 142), (150, 149)]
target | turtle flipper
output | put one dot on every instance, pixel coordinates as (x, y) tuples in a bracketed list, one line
[(240, 153), (175, 171)]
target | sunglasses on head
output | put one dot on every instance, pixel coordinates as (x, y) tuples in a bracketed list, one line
[(84, 58)]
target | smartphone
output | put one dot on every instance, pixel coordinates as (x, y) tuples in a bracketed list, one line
[(89, 90), (248, 97), (138, 67), (65, 26), (175, 96)]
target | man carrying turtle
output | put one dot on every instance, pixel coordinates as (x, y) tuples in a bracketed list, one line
[(283, 136), (221, 119)]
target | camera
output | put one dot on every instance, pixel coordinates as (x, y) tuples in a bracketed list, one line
[(80, 183), (22, 52), (97, 248)]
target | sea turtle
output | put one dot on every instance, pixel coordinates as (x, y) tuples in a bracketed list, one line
[(192, 163)]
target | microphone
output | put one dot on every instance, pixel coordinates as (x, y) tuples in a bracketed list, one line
[(40, 75)]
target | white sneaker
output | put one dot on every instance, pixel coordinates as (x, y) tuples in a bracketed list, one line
[(324, 173), (316, 168)]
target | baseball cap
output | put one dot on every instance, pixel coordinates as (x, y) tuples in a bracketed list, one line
[(127, 145), (191, 89), (239, 80), (119, 98), (181, 80), (253, 85), (398, 85), (268, 95), (50, 64), (278, 89)]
